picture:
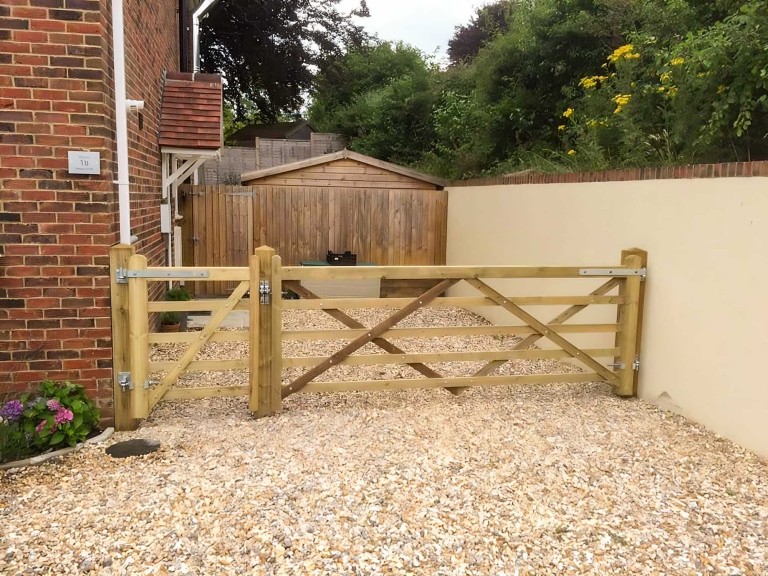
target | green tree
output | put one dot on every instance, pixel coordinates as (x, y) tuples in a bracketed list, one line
[(267, 50), (380, 96)]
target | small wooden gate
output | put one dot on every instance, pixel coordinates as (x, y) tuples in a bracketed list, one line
[(265, 280)]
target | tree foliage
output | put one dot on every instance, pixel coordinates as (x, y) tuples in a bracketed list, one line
[(563, 85), (380, 96), (268, 50), (488, 22)]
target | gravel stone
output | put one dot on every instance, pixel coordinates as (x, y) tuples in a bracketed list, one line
[(552, 479)]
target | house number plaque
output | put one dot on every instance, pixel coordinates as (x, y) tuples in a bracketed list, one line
[(84, 162)]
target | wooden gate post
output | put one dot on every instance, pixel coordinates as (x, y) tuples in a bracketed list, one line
[(138, 333), (630, 323), (118, 258), (265, 333)]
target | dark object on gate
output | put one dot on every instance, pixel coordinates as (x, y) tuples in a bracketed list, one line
[(345, 259)]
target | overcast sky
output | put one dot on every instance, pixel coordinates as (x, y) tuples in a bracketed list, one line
[(426, 24)]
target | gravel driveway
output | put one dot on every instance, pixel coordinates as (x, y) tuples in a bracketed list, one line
[(555, 479)]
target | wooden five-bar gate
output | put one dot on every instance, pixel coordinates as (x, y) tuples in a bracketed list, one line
[(259, 289)]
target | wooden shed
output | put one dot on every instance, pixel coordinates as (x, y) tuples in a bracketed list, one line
[(386, 214)]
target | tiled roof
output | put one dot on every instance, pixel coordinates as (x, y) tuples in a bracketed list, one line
[(191, 114)]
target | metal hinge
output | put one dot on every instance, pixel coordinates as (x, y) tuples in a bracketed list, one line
[(613, 272), (122, 274), (124, 380), (621, 365)]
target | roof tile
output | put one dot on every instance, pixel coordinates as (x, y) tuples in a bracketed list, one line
[(191, 114)]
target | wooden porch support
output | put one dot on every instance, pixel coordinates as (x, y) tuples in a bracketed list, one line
[(373, 333)]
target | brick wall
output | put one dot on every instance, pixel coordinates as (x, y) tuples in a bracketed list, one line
[(55, 228), (724, 170)]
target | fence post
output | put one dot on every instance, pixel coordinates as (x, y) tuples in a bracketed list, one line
[(264, 323), (630, 322), (118, 258), (138, 332)]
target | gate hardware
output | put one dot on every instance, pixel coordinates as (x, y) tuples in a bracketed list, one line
[(612, 272), (124, 380), (265, 291), (621, 365), (122, 275)]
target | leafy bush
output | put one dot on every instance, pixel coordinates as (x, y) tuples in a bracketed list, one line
[(59, 414)]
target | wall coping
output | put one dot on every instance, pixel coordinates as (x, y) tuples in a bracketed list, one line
[(723, 170)]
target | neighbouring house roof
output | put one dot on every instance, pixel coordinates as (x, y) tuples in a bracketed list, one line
[(342, 155), (191, 112), (278, 131)]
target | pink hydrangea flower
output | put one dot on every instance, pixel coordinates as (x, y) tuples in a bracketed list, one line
[(64, 415), (53, 405), (40, 426)]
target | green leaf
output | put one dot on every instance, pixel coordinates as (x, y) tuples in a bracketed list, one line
[(56, 438)]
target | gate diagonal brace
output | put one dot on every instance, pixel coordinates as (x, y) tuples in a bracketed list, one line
[(561, 318), (382, 343), (372, 334), (544, 330)]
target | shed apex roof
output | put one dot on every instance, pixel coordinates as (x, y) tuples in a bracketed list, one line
[(190, 115), (341, 155)]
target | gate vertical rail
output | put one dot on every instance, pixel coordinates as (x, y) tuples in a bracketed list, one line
[(629, 314), (265, 332), (118, 259), (138, 338)]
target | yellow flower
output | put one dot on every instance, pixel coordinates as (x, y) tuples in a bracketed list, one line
[(592, 81), (618, 110), (666, 77), (568, 113), (622, 99), (672, 91), (561, 127), (721, 90), (677, 62), (626, 52), (571, 152)]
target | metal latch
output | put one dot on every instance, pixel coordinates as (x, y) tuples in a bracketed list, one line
[(124, 381), (265, 292)]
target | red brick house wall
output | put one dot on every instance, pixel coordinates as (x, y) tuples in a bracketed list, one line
[(56, 95)]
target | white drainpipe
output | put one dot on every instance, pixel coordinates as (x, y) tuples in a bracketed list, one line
[(198, 14), (122, 106)]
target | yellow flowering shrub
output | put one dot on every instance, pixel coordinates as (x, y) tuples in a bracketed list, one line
[(626, 52)]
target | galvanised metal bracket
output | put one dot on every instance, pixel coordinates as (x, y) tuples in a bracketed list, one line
[(122, 275), (265, 292), (621, 365), (613, 272), (124, 380)]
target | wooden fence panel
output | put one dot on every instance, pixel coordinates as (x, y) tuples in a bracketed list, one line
[(223, 225)]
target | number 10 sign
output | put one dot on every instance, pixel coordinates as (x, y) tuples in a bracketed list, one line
[(84, 162)]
